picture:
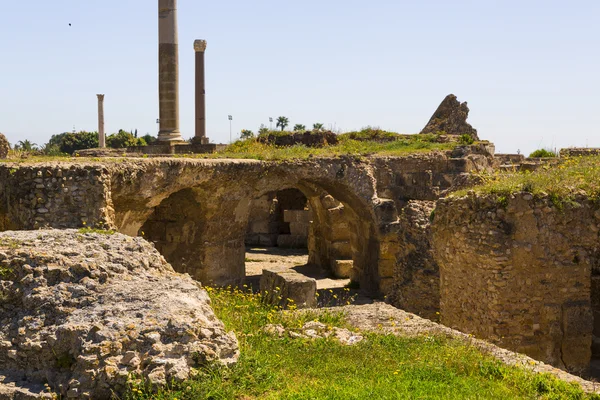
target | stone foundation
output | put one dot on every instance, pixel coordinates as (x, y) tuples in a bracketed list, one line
[(520, 274)]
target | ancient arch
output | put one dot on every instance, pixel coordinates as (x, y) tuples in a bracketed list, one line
[(205, 205)]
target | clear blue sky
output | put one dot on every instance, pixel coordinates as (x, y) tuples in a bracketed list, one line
[(529, 69)]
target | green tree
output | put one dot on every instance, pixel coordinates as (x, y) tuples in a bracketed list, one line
[(282, 122), (299, 128), (68, 142), (148, 138), (318, 126), (26, 145), (246, 134), (123, 139)]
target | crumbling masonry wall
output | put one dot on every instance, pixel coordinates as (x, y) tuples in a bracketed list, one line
[(518, 272), (197, 211), (54, 195)]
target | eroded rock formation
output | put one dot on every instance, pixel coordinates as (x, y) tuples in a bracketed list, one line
[(85, 312), (451, 118)]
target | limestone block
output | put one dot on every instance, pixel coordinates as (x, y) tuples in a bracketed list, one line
[(252, 239), (386, 211), (343, 269), (576, 353), (299, 228), (296, 216), (340, 232), (260, 226), (284, 287), (292, 241), (341, 250), (108, 302), (269, 240)]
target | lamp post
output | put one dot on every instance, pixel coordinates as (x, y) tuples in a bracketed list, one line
[(230, 119), (270, 123)]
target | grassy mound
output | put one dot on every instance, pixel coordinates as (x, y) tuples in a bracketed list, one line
[(347, 145), (381, 367), (560, 182)]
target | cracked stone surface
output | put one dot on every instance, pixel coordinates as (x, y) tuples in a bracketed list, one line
[(84, 311)]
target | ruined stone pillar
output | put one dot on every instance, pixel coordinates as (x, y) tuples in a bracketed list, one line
[(200, 136), (168, 71), (101, 136)]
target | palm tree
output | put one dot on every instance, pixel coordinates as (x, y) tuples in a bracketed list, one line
[(26, 145), (282, 122), (299, 128), (318, 126)]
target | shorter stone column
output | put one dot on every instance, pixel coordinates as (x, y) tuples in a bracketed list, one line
[(101, 136), (200, 135)]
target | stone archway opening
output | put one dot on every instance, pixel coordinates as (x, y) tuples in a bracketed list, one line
[(309, 232), (175, 226)]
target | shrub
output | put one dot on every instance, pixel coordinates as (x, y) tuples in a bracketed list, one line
[(370, 133), (124, 139), (542, 153), (466, 139)]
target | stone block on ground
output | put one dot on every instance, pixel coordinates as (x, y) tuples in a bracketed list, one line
[(292, 241), (284, 287), (343, 269)]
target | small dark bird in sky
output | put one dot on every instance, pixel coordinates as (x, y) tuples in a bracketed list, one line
[(69, 24)]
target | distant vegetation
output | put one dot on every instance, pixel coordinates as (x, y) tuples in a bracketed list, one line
[(64, 144), (542, 153)]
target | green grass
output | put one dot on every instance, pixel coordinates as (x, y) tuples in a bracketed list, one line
[(560, 182), (254, 150), (381, 367)]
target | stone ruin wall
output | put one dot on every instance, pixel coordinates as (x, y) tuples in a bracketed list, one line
[(193, 211), (521, 274), (58, 196), (525, 274)]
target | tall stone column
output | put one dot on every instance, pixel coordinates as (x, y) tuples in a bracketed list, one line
[(168, 71), (101, 136), (200, 136)]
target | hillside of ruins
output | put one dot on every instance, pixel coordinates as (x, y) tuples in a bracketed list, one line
[(302, 263)]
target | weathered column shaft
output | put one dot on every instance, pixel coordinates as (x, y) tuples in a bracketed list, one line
[(200, 48), (101, 136), (168, 71)]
